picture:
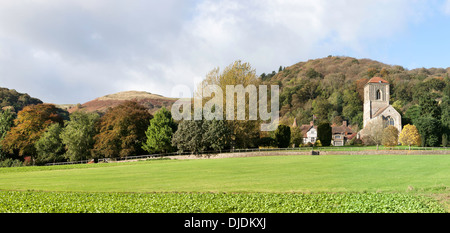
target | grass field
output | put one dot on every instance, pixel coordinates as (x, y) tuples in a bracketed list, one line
[(340, 176)]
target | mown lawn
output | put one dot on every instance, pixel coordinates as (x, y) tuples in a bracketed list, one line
[(337, 174)]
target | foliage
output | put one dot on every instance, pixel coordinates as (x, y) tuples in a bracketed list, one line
[(217, 135), (372, 134), (200, 135), (245, 133), (121, 131), (445, 118), (78, 202), (49, 147), (159, 132), (410, 136), (296, 136), (78, 135), (30, 124), (16, 101), (283, 136), (267, 142), (390, 136), (324, 134), (6, 122), (429, 129), (340, 85)]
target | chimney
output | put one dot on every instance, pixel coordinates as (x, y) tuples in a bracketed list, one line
[(344, 123)]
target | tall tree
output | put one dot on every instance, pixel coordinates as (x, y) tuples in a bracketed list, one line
[(49, 147), (296, 136), (31, 123), (429, 129), (189, 136), (159, 133), (121, 131), (245, 132), (283, 136), (217, 135), (324, 133), (78, 135), (6, 122)]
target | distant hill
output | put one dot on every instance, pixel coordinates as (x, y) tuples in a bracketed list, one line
[(151, 101), (16, 101)]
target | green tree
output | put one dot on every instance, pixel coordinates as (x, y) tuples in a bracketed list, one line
[(445, 119), (429, 129), (121, 131), (283, 136), (296, 136), (78, 135), (324, 134), (49, 147), (217, 135), (6, 122), (188, 136), (159, 133)]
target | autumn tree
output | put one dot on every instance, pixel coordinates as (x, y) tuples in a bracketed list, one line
[(159, 133), (409, 136), (245, 133), (121, 131), (78, 135), (390, 136), (31, 123)]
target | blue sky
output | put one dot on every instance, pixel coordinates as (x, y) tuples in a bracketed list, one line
[(72, 51)]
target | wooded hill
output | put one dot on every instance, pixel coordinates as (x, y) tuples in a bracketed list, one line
[(11, 99), (331, 88)]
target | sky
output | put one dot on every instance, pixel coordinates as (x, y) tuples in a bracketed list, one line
[(73, 51)]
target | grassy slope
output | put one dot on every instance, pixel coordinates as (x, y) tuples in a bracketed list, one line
[(337, 173)]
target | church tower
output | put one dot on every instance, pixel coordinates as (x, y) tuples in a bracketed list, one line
[(376, 98)]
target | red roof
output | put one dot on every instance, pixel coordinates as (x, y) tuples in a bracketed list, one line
[(377, 80)]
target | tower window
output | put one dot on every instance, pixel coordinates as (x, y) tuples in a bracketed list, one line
[(378, 94)]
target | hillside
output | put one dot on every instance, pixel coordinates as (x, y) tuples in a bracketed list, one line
[(151, 101), (331, 88), (14, 100)]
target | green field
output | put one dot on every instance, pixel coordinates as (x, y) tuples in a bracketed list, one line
[(352, 179)]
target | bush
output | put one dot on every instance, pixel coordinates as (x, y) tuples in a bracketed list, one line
[(11, 163), (267, 142)]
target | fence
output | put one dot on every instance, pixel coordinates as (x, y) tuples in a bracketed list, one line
[(152, 156)]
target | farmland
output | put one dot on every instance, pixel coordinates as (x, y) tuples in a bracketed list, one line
[(332, 183)]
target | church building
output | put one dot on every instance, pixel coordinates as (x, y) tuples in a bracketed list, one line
[(376, 104)]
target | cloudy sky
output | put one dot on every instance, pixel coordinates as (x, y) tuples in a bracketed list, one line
[(72, 51)]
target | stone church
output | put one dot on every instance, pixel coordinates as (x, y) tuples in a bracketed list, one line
[(376, 104)]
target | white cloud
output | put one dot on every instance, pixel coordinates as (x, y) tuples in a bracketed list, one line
[(74, 51)]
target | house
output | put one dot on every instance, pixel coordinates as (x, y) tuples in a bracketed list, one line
[(309, 132), (341, 134)]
